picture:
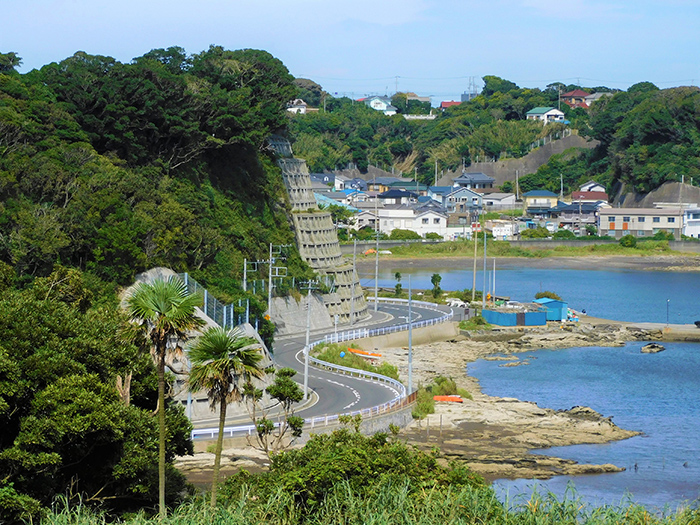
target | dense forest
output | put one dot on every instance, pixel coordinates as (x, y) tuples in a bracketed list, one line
[(647, 136), (108, 169)]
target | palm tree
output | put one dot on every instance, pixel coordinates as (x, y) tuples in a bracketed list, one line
[(220, 360), (166, 313)]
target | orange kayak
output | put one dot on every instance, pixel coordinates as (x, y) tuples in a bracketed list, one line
[(451, 399), (363, 352)]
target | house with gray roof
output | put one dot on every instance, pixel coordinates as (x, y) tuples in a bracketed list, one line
[(474, 181)]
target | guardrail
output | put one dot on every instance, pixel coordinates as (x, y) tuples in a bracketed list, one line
[(311, 423), (403, 398)]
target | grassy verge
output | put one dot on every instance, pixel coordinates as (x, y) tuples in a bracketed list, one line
[(505, 249), (441, 386), (475, 323), (331, 353)]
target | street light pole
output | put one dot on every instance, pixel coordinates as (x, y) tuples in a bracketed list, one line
[(410, 340)]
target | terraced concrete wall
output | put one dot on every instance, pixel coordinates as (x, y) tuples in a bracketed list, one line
[(317, 239)]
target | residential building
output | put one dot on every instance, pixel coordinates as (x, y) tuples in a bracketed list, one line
[(640, 222), (397, 196), (575, 98), (448, 104), (439, 193), (382, 104), (589, 196), (381, 184), (463, 200), (498, 201), (474, 181), (545, 114), (592, 185), (540, 203), (297, 106), (577, 215), (422, 219), (691, 222), (593, 97), (503, 229)]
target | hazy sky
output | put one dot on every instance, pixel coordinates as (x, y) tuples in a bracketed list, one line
[(362, 47)]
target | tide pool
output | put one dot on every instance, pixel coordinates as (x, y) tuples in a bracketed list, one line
[(657, 394)]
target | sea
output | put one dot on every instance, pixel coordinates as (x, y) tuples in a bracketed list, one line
[(656, 394)]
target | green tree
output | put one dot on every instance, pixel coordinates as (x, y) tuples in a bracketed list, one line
[(548, 295), (397, 287), (222, 359), (9, 62), (166, 314), (286, 391), (435, 280)]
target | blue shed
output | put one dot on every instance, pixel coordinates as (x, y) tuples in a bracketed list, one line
[(514, 318), (556, 310)]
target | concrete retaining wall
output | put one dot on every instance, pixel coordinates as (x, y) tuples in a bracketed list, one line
[(420, 336)]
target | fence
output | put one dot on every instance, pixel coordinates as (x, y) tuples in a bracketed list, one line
[(401, 400)]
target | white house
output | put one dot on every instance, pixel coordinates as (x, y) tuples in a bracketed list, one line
[(503, 230), (640, 222), (382, 104), (545, 114), (592, 186), (691, 222), (339, 182), (297, 106), (498, 201), (421, 219)]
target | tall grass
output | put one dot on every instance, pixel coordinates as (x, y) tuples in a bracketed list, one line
[(393, 503)]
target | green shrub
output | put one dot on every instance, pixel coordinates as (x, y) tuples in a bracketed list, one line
[(564, 234), (403, 235), (628, 241)]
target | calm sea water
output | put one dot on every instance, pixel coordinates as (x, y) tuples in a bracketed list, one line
[(657, 394), (622, 295)]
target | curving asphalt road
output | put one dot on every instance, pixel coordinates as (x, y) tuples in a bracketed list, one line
[(339, 393)]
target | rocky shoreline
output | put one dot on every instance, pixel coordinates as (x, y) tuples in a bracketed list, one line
[(494, 436)]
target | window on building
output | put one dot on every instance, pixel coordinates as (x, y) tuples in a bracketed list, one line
[(656, 219), (611, 219), (436, 221), (425, 221), (671, 219), (640, 233), (640, 219), (625, 219)]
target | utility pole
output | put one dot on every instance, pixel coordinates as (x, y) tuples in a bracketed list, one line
[(410, 339), (354, 275), (309, 286), (435, 172), (376, 248), (483, 293), (475, 238)]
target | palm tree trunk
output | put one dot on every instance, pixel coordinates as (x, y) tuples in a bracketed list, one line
[(161, 435), (217, 452)]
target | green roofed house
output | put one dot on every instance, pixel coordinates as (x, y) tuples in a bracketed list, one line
[(545, 114)]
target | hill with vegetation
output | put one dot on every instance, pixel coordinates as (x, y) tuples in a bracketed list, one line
[(647, 136), (108, 169)]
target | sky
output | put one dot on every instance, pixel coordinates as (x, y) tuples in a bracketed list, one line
[(436, 48)]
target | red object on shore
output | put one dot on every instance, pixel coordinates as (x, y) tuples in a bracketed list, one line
[(363, 353), (450, 399)]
